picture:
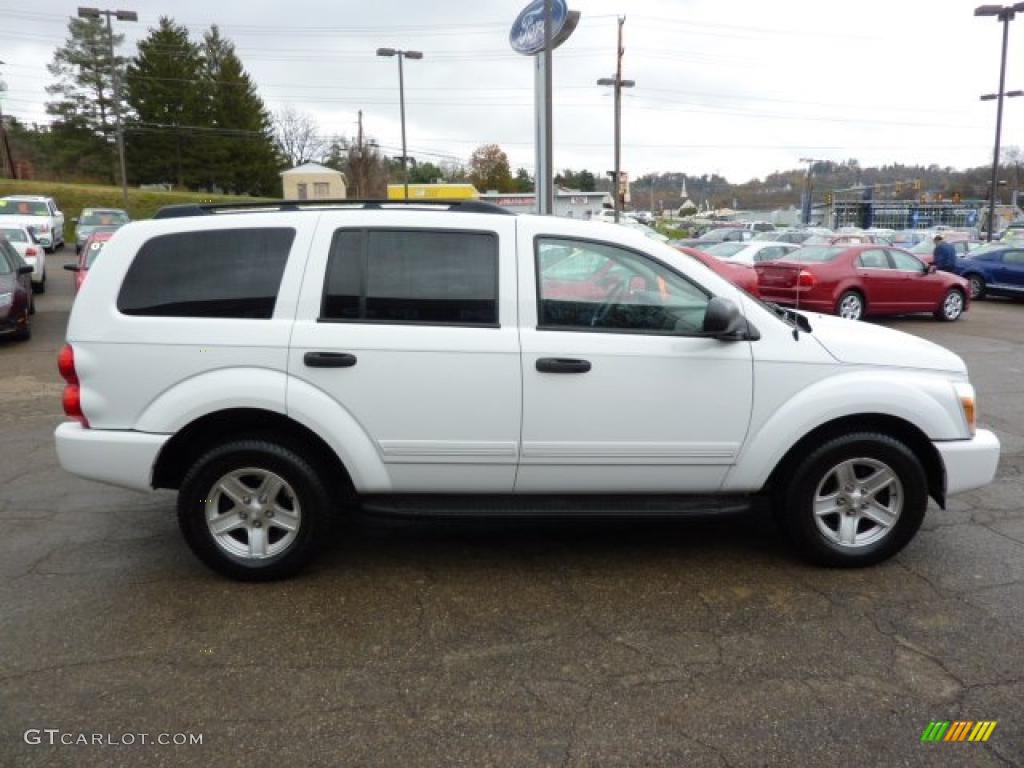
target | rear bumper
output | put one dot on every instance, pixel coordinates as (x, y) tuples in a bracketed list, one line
[(970, 463), (790, 299), (124, 458)]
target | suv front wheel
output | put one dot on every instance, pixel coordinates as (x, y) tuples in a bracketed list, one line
[(854, 501), (253, 510)]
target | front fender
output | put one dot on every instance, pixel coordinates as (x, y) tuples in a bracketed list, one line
[(928, 402)]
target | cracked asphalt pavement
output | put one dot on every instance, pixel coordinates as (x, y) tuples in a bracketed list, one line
[(683, 643)]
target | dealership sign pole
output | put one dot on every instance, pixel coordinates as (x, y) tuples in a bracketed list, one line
[(541, 27)]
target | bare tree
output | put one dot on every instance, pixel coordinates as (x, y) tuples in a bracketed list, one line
[(298, 136)]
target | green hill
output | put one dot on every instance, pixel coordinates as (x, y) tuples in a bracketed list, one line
[(72, 198)]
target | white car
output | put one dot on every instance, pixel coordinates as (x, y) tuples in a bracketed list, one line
[(40, 214), (29, 249), (751, 253), (279, 367)]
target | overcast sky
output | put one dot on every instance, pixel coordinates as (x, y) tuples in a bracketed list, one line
[(741, 88)]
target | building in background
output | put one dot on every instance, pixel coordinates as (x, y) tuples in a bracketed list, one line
[(434, 192), (313, 181), (569, 203)]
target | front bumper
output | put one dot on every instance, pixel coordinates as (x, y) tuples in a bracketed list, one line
[(970, 463), (118, 457)]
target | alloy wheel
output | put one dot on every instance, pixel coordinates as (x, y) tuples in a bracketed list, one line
[(858, 502), (953, 305), (252, 514), (851, 307)]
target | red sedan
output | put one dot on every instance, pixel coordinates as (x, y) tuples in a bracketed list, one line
[(90, 250), (741, 275), (858, 280)]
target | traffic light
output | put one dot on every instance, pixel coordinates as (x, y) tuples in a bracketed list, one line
[(917, 185), (899, 187), (956, 198), (924, 198), (828, 198)]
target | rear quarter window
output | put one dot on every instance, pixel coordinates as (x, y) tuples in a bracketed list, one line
[(230, 273)]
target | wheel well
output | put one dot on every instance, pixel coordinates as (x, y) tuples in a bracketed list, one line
[(858, 291), (182, 450), (916, 440)]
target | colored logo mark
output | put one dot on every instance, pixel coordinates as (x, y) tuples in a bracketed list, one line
[(958, 730)]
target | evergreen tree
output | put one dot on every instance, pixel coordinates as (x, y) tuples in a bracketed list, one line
[(242, 155), (83, 107), (167, 88)]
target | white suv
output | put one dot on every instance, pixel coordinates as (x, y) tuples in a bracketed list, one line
[(279, 364), (40, 214)]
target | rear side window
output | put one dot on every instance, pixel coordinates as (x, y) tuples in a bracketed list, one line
[(412, 276), (232, 273)]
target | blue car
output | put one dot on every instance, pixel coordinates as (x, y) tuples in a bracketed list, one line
[(996, 269)]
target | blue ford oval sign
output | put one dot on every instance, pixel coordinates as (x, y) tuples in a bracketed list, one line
[(527, 35)]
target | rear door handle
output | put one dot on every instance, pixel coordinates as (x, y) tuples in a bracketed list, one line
[(329, 359), (562, 365)]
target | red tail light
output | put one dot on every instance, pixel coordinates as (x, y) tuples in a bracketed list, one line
[(31, 252), (806, 279), (72, 398)]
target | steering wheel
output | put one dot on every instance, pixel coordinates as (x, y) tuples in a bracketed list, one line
[(615, 295)]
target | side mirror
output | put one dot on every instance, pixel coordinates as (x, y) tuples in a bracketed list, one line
[(723, 320), (930, 269), (26, 270), (72, 268)]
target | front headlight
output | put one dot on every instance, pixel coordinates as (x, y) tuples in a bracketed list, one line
[(6, 299), (968, 405)]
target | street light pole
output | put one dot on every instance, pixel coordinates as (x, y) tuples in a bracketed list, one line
[(5, 144), (388, 52), (95, 13), (618, 84), (1005, 14)]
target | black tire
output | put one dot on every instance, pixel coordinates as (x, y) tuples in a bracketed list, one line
[(798, 493), (32, 304), (41, 287), (977, 286), (849, 297), (310, 496), (949, 310)]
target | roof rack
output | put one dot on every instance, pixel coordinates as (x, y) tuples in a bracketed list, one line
[(207, 209)]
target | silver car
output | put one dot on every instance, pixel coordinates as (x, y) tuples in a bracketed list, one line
[(97, 218)]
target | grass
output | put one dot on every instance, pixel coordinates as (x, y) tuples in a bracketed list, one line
[(72, 198)]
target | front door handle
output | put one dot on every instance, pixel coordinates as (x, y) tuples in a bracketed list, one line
[(329, 359), (562, 365)]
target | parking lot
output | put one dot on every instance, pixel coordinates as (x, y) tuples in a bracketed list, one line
[(697, 643)]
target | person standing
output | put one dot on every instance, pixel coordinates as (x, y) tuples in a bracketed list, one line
[(944, 255)]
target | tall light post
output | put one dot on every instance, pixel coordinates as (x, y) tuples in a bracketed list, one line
[(1005, 14), (388, 52), (5, 145), (618, 84), (95, 13), (806, 212)]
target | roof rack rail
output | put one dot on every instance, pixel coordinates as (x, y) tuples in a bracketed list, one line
[(207, 209)]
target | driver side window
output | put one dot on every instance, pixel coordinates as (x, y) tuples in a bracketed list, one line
[(585, 286)]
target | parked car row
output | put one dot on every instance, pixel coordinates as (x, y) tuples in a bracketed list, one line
[(30, 227)]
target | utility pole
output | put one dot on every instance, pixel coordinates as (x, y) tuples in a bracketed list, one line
[(361, 167), (5, 144), (808, 189), (95, 13), (618, 84)]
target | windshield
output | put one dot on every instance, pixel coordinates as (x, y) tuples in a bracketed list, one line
[(725, 250), (14, 235), (716, 234), (985, 249), (23, 208), (104, 218), (812, 254)]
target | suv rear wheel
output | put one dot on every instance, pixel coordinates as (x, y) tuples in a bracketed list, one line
[(854, 501), (253, 510)]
